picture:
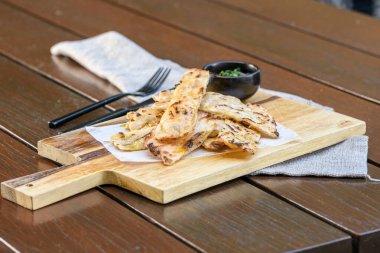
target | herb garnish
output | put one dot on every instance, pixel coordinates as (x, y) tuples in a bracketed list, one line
[(229, 72)]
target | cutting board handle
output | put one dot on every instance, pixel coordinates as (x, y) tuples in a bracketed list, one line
[(46, 187)]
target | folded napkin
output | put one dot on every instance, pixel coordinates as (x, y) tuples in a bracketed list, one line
[(345, 159), (128, 66), (119, 60)]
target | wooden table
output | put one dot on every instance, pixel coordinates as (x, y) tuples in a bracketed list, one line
[(313, 50)]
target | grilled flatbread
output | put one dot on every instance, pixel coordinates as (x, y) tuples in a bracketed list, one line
[(236, 136), (228, 134), (170, 151), (251, 115), (180, 116), (131, 141), (232, 108), (260, 110), (214, 144), (143, 117), (163, 96), (186, 118), (160, 106)]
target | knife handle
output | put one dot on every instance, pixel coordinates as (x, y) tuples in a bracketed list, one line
[(115, 114), (73, 115), (112, 115)]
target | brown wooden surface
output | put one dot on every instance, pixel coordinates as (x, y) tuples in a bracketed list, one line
[(89, 222), (344, 27), (296, 51), (235, 217), (96, 17), (26, 95), (5, 248), (60, 20), (335, 240), (352, 204)]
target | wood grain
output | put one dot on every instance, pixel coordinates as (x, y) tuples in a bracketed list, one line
[(317, 129), (90, 18), (90, 222), (5, 248), (345, 27), (296, 51), (352, 204), (54, 217), (29, 101), (235, 217)]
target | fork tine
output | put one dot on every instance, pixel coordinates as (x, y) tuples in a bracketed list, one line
[(151, 81), (160, 80), (152, 86), (157, 83)]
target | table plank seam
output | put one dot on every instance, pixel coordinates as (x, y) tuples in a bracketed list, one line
[(8, 245), (311, 248), (323, 82), (247, 12), (10, 4), (354, 237), (373, 163), (17, 137), (46, 76), (151, 220), (320, 81)]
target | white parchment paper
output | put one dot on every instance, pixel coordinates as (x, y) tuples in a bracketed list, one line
[(103, 134)]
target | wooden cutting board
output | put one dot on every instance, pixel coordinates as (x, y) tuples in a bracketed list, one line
[(87, 164)]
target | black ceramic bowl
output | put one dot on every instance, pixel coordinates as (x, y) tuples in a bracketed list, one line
[(242, 87)]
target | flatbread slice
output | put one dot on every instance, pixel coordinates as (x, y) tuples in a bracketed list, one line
[(255, 118), (251, 115), (236, 136), (180, 116), (170, 151), (131, 141), (143, 117), (214, 144)]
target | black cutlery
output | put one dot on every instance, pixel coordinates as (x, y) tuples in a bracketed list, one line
[(153, 84), (118, 113)]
